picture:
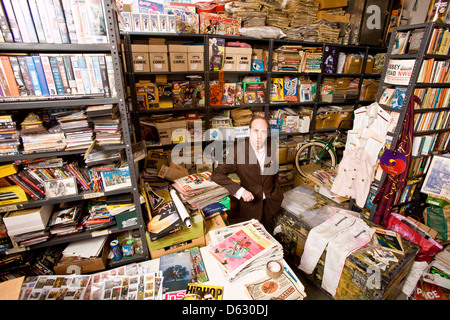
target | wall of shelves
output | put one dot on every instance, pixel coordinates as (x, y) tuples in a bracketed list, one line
[(133, 77), (30, 104)]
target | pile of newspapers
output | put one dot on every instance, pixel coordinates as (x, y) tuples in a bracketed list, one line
[(243, 248)]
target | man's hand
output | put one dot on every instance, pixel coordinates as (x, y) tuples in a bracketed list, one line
[(247, 196)]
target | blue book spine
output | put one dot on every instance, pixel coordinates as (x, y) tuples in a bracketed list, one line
[(41, 75), (84, 75), (56, 75), (98, 74), (33, 75)]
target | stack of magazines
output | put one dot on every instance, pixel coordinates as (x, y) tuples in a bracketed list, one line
[(106, 122), (197, 190), (76, 128), (9, 137), (243, 248), (66, 221)]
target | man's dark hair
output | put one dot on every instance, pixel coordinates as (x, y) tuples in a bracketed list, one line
[(256, 117)]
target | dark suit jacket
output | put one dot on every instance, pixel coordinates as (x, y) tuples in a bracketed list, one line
[(253, 181)]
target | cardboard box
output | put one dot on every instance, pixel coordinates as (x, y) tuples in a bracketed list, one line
[(196, 231), (369, 66), (331, 4), (326, 120), (230, 59), (87, 266), (178, 131), (159, 62), (323, 14), (196, 59), (243, 59), (165, 132), (257, 63), (140, 57), (345, 115), (213, 223), (178, 58)]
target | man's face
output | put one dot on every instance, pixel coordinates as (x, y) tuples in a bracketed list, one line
[(258, 133)]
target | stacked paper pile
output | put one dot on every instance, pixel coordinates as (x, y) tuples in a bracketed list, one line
[(328, 31), (36, 138), (9, 136), (66, 221), (76, 128), (252, 14), (243, 248), (106, 121), (307, 33), (301, 12), (241, 117), (99, 216), (197, 190)]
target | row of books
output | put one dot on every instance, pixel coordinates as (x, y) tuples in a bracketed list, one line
[(440, 42), (434, 71), (56, 75), (431, 121), (407, 41), (424, 145), (53, 21), (432, 98), (418, 165), (293, 58), (405, 194)]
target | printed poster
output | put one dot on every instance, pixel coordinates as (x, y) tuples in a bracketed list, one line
[(399, 71)]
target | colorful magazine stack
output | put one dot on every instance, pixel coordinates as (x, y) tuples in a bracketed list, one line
[(242, 248), (9, 136), (76, 128)]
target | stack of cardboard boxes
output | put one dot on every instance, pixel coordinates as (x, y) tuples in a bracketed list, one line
[(333, 10)]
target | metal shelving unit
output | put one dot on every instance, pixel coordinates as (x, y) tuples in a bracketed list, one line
[(77, 101), (420, 56)]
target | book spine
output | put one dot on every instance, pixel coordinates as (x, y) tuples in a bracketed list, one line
[(70, 75), (39, 89), (45, 20), (4, 83), (12, 21), (84, 74), (77, 74), (26, 75), (10, 78), (22, 185), (62, 71), (104, 75), (84, 16), (50, 81), (79, 179), (70, 23), (28, 21), (61, 21), (26, 37), (31, 185), (37, 21), (91, 73), (111, 78), (53, 20), (77, 20), (98, 74), (4, 26), (56, 75)]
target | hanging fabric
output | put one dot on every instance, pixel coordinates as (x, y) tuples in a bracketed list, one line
[(386, 194)]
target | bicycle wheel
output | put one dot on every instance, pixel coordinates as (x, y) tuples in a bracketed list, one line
[(313, 156)]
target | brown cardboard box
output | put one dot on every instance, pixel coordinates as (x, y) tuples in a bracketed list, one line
[(86, 266), (159, 62), (196, 58), (244, 58), (213, 223), (140, 57), (230, 59), (331, 4), (323, 14), (369, 66), (326, 120), (178, 58), (345, 115), (164, 131)]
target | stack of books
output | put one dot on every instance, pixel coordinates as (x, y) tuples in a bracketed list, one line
[(99, 216), (36, 138), (76, 128), (107, 127), (9, 136), (243, 248)]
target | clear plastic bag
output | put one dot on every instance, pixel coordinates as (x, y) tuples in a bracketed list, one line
[(264, 32)]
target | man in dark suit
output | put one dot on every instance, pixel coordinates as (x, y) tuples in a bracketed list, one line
[(254, 161)]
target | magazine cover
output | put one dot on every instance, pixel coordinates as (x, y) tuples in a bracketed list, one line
[(398, 98), (239, 249), (276, 90), (176, 270), (290, 89), (116, 179), (197, 291), (165, 220)]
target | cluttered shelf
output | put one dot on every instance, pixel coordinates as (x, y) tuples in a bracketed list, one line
[(53, 102), (53, 47)]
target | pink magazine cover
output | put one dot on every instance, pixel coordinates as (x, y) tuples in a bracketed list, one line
[(239, 248)]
